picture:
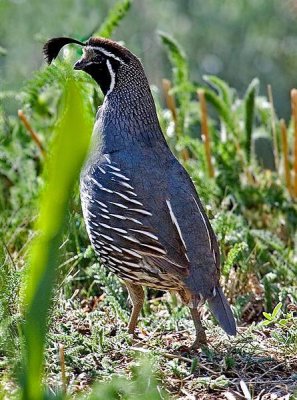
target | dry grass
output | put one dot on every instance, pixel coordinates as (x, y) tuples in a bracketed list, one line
[(259, 363)]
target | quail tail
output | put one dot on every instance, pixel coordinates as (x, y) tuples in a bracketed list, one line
[(220, 308)]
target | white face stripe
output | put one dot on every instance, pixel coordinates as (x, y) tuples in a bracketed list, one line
[(112, 77), (107, 53)]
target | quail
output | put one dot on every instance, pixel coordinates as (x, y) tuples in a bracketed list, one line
[(142, 212)]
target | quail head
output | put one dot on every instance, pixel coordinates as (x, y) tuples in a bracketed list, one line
[(142, 212)]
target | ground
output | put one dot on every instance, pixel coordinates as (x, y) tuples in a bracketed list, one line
[(90, 335)]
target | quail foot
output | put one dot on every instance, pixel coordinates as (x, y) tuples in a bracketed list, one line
[(142, 212)]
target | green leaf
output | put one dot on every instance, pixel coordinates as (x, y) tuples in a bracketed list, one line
[(64, 161), (223, 110), (114, 17), (233, 256), (224, 90), (266, 322), (194, 365), (267, 316), (276, 310), (249, 108), (180, 69), (283, 321)]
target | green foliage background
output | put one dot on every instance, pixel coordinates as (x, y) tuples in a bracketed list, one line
[(236, 40), (250, 208)]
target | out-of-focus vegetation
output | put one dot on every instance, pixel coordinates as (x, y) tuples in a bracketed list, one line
[(244, 172), (236, 40)]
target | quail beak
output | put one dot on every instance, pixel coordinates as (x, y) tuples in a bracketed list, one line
[(81, 64)]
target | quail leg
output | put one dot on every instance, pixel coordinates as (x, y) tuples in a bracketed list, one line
[(200, 333), (136, 295)]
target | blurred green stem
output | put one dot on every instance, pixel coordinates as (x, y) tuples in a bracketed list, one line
[(69, 148)]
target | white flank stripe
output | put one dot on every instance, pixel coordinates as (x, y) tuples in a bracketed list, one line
[(96, 183), (148, 234), (129, 272), (115, 259), (111, 227), (174, 220), (128, 199), (132, 252), (130, 192), (99, 242), (131, 264), (107, 248), (102, 170), (104, 216), (119, 230), (106, 237), (114, 168), (100, 186), (106, 190), (107, 158), (118, 205), (204, 222), (135, 220), (119, 175), (93, 223), (101, 204), (104, 210), (118, 216), (116, 248), (161, 251), (126, 185), (131, 239), (139, 210)]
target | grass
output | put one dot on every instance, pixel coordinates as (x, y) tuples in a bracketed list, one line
[(97, 347), (88, 353)]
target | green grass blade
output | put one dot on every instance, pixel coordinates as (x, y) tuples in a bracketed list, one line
[(223, 110), (69, 148), (224, 90), (180, 68), (249, 108), (114, 17)]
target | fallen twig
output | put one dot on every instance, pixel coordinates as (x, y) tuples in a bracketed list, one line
[(63, 370), (273, 128), (285, 154), (169, 99), (294, 116), (31, 131)]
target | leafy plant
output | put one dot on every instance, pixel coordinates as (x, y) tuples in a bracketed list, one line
[(114, 17), (182, 86), (277, 317), (250, 210), (69, 147)]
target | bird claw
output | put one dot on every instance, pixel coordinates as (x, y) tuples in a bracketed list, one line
[(200, 341)]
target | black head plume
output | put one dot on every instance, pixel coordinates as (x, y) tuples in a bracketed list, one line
[(53, 46)]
